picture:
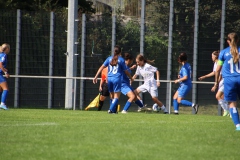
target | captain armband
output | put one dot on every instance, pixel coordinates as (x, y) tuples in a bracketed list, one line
[(220, 63)]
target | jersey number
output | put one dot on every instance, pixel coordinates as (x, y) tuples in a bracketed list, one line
[(232, 66), (113, 69)]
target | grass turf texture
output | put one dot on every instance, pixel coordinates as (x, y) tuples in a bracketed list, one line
[(67, 134)]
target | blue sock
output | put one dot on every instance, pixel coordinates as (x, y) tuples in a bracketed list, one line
[(139, 103), (113, 106), (127, 106), (110, 102), (4, 96), (186, 103), (235, 116), (175, 104)]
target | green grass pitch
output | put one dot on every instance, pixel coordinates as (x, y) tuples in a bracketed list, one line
[(89, 135)]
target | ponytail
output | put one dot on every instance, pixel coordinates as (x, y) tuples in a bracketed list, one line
[(233, 39), (117, 51), (140, 57)]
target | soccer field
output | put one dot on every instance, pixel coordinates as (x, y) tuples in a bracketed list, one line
[(89, 135)]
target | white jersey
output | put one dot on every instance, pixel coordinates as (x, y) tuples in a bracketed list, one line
[(221, 83), (147, 72), (215, 67)]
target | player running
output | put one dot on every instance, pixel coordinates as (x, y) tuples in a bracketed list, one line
[(146, 70), (229, 63), (219, 95), (184, 79), (116, 68)]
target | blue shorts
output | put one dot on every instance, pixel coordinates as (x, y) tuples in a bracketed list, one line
[(184, 89), (126, 88), (114, 84), (231, 88), (2, 79)]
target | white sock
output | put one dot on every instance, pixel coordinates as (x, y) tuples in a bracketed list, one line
[(226, 105), (164, 108), (175, 111), (2, 103), (223, 104)]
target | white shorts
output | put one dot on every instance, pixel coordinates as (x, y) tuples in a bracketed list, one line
[(221, 86), (152, 90)]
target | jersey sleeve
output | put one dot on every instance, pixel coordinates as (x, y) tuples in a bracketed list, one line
[(137, 71), (152, 68), (107, 61), (184, 72), (2, 58), (221, 58)]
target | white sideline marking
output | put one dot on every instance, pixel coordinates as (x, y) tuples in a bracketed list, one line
[(33, 124)]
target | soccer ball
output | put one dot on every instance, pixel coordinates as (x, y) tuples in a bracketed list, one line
[(155, 108)]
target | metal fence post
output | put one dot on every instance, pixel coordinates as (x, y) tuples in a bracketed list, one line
[(113, 31), (51, 52), (82, 60), (223, 16), (142, 35), (195, 53), (17, 63), (71, 51), (169, 64)]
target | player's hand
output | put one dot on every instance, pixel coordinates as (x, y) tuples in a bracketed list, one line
[(94, 80), (100, 88), (158, 84), (7, 75), (201, 78), (134, 66), (214, 88)]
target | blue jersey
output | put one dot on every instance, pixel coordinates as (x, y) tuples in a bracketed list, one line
[(3, 59), (125, 78), (186, 70), (229, 68), (115, 71)]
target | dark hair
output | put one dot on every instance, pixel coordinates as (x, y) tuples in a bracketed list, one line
[(216, 53), (117, 51), (233, 39), (128, 56), (182, 57), (140, 57)]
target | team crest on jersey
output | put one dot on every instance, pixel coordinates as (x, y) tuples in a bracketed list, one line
[(227, 54), (3, 59)]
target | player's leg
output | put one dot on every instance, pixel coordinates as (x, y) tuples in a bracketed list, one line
[(231, 90), (128, 91), (154, 94), (222, 102), (175, 103), (104, 94), (4, 87), (182, 92), (116, 88)]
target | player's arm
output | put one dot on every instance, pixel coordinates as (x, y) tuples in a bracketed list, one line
[(98, 72), (206, 76), (4, 70), (217, 74), (184, 78), (129, 75), (100, 85), (134, 76), (158, 77)]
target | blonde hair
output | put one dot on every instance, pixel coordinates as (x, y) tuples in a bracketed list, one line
[(233, 39), (4, 47), (140, 57)]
